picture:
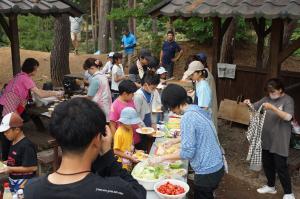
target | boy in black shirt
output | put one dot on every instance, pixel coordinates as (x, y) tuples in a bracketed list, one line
[(22, 158), (79, 128)]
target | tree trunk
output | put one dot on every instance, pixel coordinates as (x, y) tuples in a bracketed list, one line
[(154, 25), (113, 35), (227, 48), (289, 27), (105, 7), (100, 13), (93, 23), (59, 58)]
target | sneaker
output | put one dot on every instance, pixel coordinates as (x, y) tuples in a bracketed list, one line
[(289, 196), (267, 189)]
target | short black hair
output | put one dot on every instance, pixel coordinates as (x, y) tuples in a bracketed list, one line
[(89, 62), (127, 86), (153, 63), (173, 96), (274, 84), (75, 123), (116, 57), (170, 32), (125, 29), (29, 65), (151, 78)]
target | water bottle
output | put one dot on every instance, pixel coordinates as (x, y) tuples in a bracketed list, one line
[(7, 194), (20, 194)]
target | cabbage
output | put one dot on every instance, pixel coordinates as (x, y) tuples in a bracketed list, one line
[(148, 172)]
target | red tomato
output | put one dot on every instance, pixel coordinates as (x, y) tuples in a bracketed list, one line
[(170, 189)]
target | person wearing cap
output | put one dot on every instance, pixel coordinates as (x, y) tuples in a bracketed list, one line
[(167, 54), (139, 68), (22, 156), (128, 44), (203, 95), (99, 89), (88, 168), (17, 92), (123, 139), (108, 65), (163, 74)]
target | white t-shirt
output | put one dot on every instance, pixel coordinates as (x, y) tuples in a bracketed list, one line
[(107, 68), (116, 70)]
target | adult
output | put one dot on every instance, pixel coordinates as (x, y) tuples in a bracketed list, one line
[(167, 54), (117, 74), (139, 68), (128, 44), (211, 81), (276, 134), (79, 129), (108, 65), (16, 94), (98, 90), (199, 144), (75, 23)]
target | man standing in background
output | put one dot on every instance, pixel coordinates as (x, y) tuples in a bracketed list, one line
[(167, 54), (128, 43), (75, 32)]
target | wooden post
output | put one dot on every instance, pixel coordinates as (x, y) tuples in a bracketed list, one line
[(260, 43), (216, 46), (14, 42), (275, 48)]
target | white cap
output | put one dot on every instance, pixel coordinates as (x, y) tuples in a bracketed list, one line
[(193, 67), (111, 54), (161, 70), (9, 121)]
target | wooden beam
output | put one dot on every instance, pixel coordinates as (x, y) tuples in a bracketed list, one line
[(275, 47), (15, 47), (289, 50), (5, 26), (217, 41), (225, 26)]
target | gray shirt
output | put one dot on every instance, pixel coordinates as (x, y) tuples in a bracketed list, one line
[(276, 132), (76, 24)]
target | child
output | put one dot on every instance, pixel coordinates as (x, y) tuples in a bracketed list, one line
[(143, 99), (127, 89), (108, 65), (117, 75), (123, 138), (22, 158)]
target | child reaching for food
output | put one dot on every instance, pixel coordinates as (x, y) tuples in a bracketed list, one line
[(123, 138)]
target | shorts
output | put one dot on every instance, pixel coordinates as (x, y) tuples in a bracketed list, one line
[(75, 36)]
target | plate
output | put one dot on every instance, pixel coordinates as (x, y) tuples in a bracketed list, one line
[(140, 155), (158, 134), (145, 130)]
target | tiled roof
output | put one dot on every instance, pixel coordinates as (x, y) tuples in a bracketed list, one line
[(269, 9), (39, 7)]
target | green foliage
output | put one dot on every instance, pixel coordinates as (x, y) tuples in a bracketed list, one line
[(36, 33), (296, 35), (3, 38)]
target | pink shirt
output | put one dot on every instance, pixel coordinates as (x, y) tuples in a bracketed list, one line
[(16, 92), (115, 113)]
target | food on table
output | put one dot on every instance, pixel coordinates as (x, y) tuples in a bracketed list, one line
[(145, 172), (158, 134), (176, 165), (170, 189), (173, 123), (140, 155), (173, 133), (2, 165), (162, 150)]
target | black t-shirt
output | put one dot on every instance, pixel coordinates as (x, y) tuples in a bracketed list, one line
[(109, 181), (23, 154)]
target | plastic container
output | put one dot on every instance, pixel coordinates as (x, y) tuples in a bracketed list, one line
[(7, 194), (174, 182)]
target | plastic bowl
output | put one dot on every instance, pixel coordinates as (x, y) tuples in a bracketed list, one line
[(147, 184), (174, 182)]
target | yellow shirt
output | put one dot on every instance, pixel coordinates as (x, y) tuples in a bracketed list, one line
[(123, 141)]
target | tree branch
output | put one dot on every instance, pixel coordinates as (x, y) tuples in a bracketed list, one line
[(285, 53), (5, 26)]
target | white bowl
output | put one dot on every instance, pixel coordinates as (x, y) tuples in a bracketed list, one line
[(174, 182)]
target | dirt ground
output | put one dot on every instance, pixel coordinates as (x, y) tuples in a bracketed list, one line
[(240, 183)]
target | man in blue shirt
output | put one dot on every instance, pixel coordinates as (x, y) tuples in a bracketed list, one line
[(167, 54), (199, 143), (128, 43)]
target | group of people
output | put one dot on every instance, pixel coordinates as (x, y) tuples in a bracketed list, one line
[(97, 132)]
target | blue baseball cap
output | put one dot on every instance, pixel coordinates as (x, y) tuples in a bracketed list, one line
[(202, 57), (129, 116)]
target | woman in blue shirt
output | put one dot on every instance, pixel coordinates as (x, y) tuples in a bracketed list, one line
[(199, 143)]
